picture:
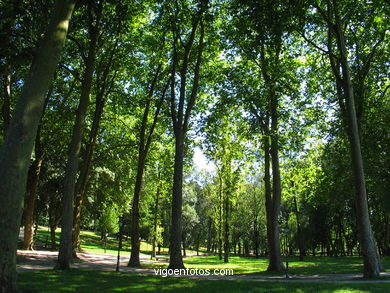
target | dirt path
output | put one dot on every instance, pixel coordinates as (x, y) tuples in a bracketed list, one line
[(45, 260)]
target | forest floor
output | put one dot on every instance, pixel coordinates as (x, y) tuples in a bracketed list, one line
[(45, 260)]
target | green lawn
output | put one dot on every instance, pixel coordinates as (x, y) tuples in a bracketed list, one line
[(90, 242), (251, 265), (97, 281)]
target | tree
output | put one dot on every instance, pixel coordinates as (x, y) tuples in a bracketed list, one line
[(17, 146), (181, 108), (337, 49), (145, 140), (65, 251)]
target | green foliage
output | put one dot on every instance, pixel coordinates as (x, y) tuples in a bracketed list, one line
[(108, 221)]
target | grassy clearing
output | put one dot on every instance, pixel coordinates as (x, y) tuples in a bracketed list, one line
[(97, 281), (91, 243), (251, 265)]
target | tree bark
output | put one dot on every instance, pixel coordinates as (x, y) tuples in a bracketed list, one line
[(180, 119), (18, 144), (155, 220), (226, 244), (275, 262), (143, 148), (371, 259), (5, 109), (32, 186), (82, 182), (299, 236), (209, 226), (81, 186), (175, 258), (65, 251)]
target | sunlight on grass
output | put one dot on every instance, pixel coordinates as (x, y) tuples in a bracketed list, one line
[(84, 281)]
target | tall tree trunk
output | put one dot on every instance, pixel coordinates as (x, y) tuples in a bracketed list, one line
[(143, 148), (82, 182), (32, 186), (300, 240), (5, 109), (275, 262), (256, 237), (155, 220), (135, 241), (220, 218), (18, 144), (226, 244), (371, 259), (180, 119), (65, 251), (10, 14), (209, 226), (175, 258)]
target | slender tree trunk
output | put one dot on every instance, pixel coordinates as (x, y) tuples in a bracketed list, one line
[(209, 226), (143, 148), (371, 260), (220, 220), (5, 109), (32, 187), (180, 119), (275, 262), (18, 144), (175, 259), (81, 186), (226, 243), (65, 251), (135, 241), (155, 220), (300, 242), (256, 237), (82, 182)]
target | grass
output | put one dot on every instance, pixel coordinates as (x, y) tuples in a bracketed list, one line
[(91, 243), (97, 281), (251, 265)]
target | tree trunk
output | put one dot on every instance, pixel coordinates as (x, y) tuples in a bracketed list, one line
[(300, 242), (275, 261), (31, 199), (135, 242), (180, 119), (226, 244), (175, 258), (155, 220), (16, 150), (5, 109), (209, 226), (256, 238), (143, 148), (371, 260), (82, 182), (65, 251)]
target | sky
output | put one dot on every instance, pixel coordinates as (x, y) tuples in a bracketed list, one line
[(201, 161)]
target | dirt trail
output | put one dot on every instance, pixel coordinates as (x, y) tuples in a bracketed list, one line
[(45, 260)]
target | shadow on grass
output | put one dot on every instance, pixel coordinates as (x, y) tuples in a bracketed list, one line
[(97, 281)]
